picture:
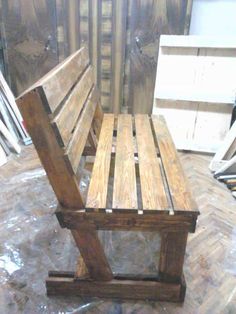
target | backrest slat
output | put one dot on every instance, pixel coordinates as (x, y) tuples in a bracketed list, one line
[(63, 116), (63, 181), (57, 83), (65, 120), (77, 143)]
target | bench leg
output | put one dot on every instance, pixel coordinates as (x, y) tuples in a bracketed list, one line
[(91, 250), (173, 246)]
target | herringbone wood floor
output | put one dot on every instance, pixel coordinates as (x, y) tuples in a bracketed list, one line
[(210, 264)]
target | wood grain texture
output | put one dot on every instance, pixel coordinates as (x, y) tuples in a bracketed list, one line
[(119, 21), (58, 82), (127, 221), (152, 187), (97, 192), (90, 248), (125, 190), (176, 179), (77, 143), (65, 120), (148, 20), (29, 52), (122, 287), (50, 153), (173, 245)]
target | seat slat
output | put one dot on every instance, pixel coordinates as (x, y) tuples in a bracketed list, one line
[(65, 120), (76, 145), (152, 187), (57, 83), (125, 190), (177, 181), (97, 192)]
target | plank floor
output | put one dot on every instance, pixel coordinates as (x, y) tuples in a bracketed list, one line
[(32, 243)]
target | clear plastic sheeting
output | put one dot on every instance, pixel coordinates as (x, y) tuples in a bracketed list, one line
[(32, 243)]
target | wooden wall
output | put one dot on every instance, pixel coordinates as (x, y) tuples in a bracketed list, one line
[(122, 37)]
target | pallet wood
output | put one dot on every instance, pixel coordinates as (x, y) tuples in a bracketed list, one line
[(118, 288), (164, 187), (125, 198), (150, 175), (97, 193), (226, 151), (180, 194), (68, 115)]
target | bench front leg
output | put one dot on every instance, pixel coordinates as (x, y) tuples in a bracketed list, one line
[(173, 246), (92, 252)]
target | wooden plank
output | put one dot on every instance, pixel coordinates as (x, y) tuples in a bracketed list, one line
[(93, 35), (77, 143), (119, 17), (28, 57), (125, 191), (120, 287), (173, 245), (65, 120), (152, 187), (97, 192), (226, 150), (149, 19), (57, 83), (8, 136), (176, 179), (64, 183), (91, 250), (3, 157), (128, 221), (195, 41)]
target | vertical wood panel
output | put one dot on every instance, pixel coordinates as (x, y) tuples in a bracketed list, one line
[(93, 35), (149, 19), (119, 16), (122, 37), (31, 41)]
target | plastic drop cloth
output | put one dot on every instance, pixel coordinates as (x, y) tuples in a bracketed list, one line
[(32, 243)]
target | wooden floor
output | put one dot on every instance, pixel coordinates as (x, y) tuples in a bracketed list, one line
[(210, 265)]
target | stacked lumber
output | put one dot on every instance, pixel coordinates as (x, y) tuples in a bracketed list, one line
[(12, 129), (224, 162)]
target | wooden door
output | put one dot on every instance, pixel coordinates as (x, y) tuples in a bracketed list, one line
[(30, 35), (148, 20)]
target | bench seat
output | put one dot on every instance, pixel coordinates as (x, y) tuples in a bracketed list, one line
[(143, 156)]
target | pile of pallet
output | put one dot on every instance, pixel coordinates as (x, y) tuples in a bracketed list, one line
[(224, 162), (12, 130)]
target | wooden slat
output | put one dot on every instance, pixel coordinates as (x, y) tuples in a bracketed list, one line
[(177, 182), (50, 153), (80, 135), (152, 187), (65, 121), (57, 83), (97, 193), (125, 191)]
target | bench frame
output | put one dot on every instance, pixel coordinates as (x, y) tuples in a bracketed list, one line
[(48, 128)]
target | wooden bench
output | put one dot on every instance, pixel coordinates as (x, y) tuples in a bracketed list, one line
[(63, 115)]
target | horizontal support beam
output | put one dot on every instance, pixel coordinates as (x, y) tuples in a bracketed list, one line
[(120, 288), (126, 221)]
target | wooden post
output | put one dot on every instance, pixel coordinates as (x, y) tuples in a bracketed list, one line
[(173, 245), (92, 253)]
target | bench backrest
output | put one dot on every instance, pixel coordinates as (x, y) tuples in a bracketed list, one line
[(62, 113)]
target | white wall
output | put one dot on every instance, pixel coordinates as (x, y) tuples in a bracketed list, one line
[(213, 17)]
